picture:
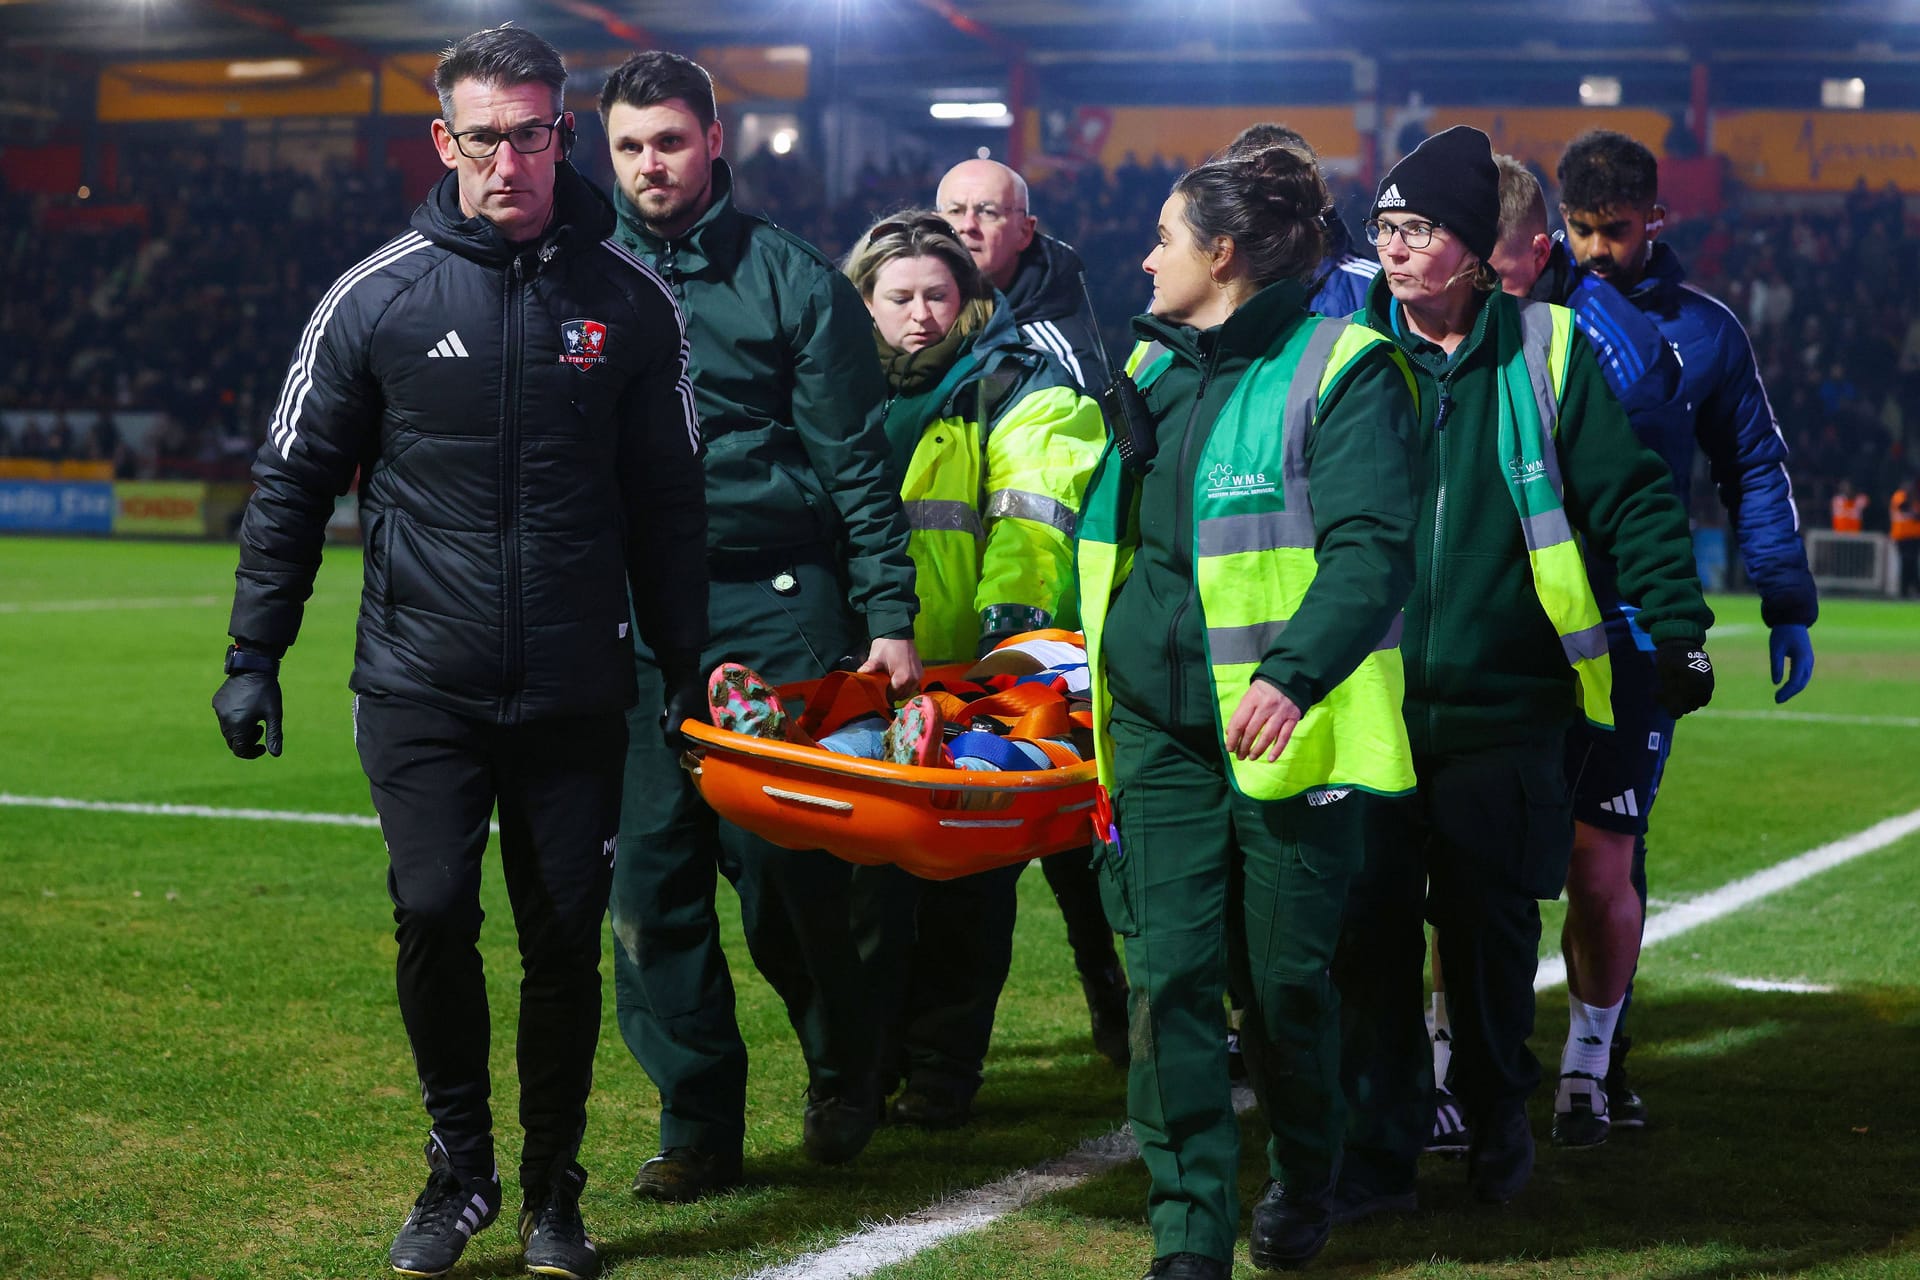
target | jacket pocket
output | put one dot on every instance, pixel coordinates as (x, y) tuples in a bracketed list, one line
[(375, 539), (385, 543), (812, 500), (1116, 889)]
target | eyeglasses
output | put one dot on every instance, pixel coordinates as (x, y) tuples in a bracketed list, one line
[(986, 213), (908, 226), (1415, 235), (528, 139)]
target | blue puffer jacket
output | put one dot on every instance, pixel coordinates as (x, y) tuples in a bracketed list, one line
[(1735, 427), (1341, 284), (1644, 374)]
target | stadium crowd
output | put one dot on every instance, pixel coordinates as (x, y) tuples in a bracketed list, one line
[(190, 312)]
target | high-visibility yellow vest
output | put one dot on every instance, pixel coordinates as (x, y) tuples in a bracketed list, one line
[(1254, 539), (1533, 381)]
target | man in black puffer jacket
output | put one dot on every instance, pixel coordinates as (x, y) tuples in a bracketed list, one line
[(512, 387)]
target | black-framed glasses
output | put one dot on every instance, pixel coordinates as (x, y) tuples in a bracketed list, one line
[(528, 139), (908, 226), (986, 212), (1414, 235)]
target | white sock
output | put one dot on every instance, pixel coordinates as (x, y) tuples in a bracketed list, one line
[(1589, 1036), (1442, 1040)]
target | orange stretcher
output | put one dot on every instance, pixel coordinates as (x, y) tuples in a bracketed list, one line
[(935, 823)]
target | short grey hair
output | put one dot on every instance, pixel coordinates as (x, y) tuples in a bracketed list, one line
[(505, 56), (1523, 206)]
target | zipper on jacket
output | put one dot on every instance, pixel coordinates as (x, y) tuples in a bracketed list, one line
[(1183, 540), (1445, 384), (670, 268), (513, 644)]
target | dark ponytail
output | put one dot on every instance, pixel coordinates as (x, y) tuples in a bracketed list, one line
[(1271, 203)]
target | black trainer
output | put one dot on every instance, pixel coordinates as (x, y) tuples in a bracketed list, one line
[(443, 1218), (1625, 1108), (1451, 1134), (1188, 1266), (1580, 1111), (681, 1175), (928, 1106), (1289, 1229), (837, 1127), (552, 1236)]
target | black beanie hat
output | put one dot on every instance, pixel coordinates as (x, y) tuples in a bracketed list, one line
[(1450, 178)]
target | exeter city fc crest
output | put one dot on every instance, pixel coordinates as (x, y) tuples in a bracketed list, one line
[(585, 343)]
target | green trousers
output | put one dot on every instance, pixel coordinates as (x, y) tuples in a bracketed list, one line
[(673, 994), (1206, 885), (936, 955)]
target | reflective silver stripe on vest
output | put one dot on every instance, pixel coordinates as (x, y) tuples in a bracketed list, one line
[(1548, 529), (1293, 527), (1255, 531), (1536, 342), (1148, 354), (1026, 505), (1591, 643), (937, 516), (1303, 404), (1229, 645)]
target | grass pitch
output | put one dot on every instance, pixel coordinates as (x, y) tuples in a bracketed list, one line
[(203, 1073)]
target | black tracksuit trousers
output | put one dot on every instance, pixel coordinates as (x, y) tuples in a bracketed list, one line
[(1486, 837), (436, 779)]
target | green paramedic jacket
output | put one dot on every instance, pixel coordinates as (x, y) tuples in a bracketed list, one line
[(993, 463), (1271, 537), (789, 394), (1485, 665)]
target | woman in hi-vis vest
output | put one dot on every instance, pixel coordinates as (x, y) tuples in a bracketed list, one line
[(991, 442), (1243, 554), (1522, 460)]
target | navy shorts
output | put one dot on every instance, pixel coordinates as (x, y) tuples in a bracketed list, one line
[(1616, 775)]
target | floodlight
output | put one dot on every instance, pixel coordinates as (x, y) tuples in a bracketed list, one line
[(993, 113), (266, 69), (1845, 95), (1599, 91)]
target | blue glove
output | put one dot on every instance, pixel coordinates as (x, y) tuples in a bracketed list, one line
[(1792, 651)]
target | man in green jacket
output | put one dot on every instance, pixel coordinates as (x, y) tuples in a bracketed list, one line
[(1520, 449), (807, 550)]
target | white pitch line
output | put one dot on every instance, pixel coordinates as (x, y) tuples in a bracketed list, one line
[(1744, 892), (867, 1250), (883, 1244), (1776, 984), (1813, 717), (189, 811)]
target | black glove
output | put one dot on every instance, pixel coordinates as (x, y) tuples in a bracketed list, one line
[(686, 699), (1683, 677), (247, 698)]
